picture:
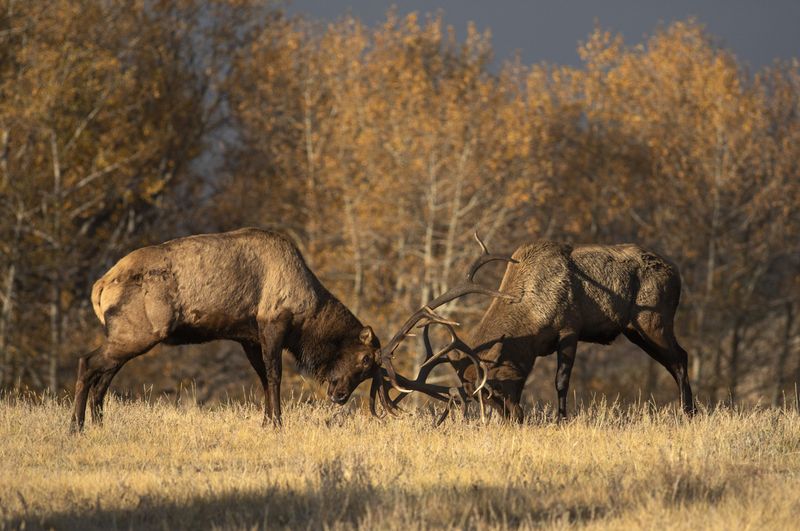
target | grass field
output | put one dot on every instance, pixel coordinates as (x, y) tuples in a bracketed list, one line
[(165, 466)]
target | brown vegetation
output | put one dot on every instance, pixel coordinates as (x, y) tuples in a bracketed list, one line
[(164, 466)]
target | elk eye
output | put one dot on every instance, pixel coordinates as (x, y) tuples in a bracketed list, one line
[(365, 360)]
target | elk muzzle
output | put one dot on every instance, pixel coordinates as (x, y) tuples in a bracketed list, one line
[(338, 391)]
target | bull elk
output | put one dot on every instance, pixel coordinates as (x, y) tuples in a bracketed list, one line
[(556, 295), (249, 286)]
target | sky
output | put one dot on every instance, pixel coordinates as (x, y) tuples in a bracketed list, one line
[(549, 30)]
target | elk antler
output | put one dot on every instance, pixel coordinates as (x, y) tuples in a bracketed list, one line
[(424, 317)]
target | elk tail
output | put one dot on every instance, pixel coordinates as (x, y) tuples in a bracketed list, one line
[(97, 291)]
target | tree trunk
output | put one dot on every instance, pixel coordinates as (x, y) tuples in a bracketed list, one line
[(697, 361), (56, 277), (55, 339), (428, 258), (8, 285), (5, 318), (736, 340), (783, 356), (4, 178), (311, 182), (8, 302), (358, 261), (711, 264), (455, 218), (714, 381)]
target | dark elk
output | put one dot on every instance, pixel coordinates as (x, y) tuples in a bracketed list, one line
[(556, 296), (249, 286)]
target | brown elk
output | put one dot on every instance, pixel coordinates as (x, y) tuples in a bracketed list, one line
[(249, 286), (556, 296)]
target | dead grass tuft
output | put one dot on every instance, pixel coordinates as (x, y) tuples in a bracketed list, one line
[(179, 466)]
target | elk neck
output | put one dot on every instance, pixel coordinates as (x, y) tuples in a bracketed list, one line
[(317, 343)]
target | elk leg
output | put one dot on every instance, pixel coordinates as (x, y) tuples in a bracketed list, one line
[(567, 346), (97, 394), (515, 412), (98, 368), (682, 378), (253, 352), (667, 352), (82, 385), (95, 372), (91, 369), (273, 362), (272, 333)]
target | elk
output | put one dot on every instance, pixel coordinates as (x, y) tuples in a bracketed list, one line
[(250, 286), (555, 296)]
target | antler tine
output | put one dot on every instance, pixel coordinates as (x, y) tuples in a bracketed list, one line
[(386, 401), (439, 392), (457, 395), (480, 242), (392, 374), (380, 390), (454, 343), (485, 258), (469, 286), (457, 344), (373, 392)]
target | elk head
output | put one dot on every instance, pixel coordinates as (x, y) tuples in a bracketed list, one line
[(385, 375), (359, 359)]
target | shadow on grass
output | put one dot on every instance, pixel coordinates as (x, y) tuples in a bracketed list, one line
[(353, 506)]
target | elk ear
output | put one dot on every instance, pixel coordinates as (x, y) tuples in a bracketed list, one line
[(366, 336)]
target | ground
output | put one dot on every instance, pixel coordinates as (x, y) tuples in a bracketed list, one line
[(165, 465)]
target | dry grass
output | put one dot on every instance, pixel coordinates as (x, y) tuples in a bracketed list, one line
[(165, 466)]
